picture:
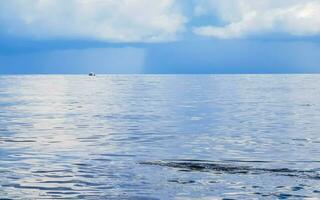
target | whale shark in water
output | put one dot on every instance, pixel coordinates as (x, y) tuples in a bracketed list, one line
[(232, 168)]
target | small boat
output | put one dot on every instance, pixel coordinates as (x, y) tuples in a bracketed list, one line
[(92, 74)]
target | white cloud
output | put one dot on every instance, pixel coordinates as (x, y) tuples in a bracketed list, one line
[(243, 18), (107, 20)]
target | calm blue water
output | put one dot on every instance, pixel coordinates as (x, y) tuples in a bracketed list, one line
[(160, 137)]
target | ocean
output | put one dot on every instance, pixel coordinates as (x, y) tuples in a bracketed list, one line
[(142, 137)]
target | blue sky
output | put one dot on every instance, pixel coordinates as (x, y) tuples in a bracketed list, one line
[(159, 36)]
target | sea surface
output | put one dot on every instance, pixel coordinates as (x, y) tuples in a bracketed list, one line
[(141, 137)]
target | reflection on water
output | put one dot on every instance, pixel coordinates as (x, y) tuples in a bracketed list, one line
[(160, 137)]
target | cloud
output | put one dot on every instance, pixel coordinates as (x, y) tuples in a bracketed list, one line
[(244, 18), (105, 20), (156, 20)]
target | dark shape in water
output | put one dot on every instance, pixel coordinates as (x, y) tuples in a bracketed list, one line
[(208, 166), (92, 74)]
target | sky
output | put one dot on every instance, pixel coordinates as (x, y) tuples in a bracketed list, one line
[(159, 36)]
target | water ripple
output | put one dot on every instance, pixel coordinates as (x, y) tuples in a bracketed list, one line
[(228, 137)]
